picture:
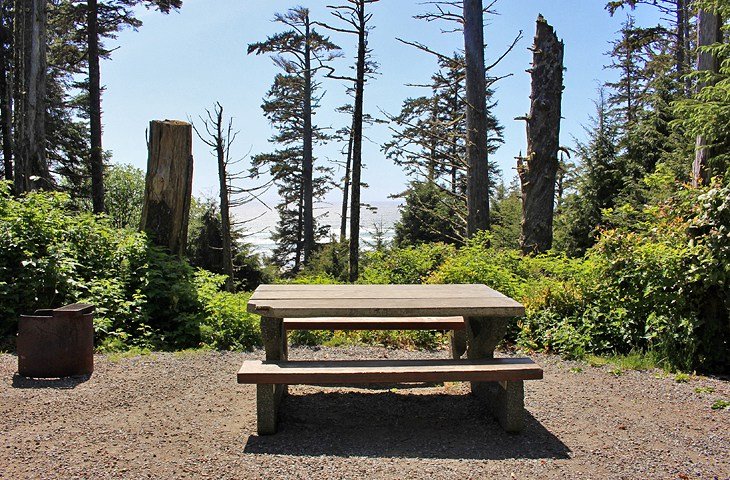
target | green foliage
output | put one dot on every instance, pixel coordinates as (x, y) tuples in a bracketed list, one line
[(707, 113), (429, 214), (506, 215), (124, 195), (657, 281), (405, 265), (329, 261), (227, 325), (51, 255), (205, 248), (721, 404)]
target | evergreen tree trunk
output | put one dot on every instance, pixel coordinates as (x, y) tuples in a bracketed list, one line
[(357, 145), (708, 32), (31, 166), (539, 169), (6, 109), (96, 160), (454, 140), (300, 223), (687, 45), (680, 52), (220, 151), (476, 119), (307, 164), (346, 188)]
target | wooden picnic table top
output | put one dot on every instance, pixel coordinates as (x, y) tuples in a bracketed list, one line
[(301, 301)]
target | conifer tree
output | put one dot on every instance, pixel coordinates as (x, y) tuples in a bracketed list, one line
[(301, 52), (429, 143), (356, 16)]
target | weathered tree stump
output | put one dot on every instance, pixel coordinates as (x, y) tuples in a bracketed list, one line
[(169, 184), (539, 169)]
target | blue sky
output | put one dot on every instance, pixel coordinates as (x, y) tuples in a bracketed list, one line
[(177, 65)]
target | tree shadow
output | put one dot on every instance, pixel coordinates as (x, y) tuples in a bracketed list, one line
[(63, 383), (389, 424)]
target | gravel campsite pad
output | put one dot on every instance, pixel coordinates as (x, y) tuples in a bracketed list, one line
[(183, 415)]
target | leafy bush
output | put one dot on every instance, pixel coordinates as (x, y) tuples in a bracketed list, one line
[(124, 195), (51, 255), (657, 281), (227, 325), (409, 265), (330, 260)]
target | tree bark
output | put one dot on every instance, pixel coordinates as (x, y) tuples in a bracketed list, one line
[(679, 54), (31, 166), (308, 161), (300, 228), (6, 108), (96, 158), (220, 150), (357, 144), (169, 184), (476, 119), (708, 32), (539, 169), (346, 187)]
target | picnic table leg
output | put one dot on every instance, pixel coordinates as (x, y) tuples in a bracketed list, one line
[(458, 343), (505, 399), (268, 396)]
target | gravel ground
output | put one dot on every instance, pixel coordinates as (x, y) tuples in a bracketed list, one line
[(184, 416)]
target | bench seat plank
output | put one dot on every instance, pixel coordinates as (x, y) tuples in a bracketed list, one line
[(334, 372), (375, 323)]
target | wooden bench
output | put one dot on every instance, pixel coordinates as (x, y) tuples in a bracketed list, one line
[(473, 313), (505, 397)]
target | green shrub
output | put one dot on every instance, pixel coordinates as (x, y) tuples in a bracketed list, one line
[(51, 255), (410, 265), (226, 325)]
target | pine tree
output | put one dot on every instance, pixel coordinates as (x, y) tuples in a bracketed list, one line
[(429, 143), (301, 52), (600, 178), (356, 22), (284, 109)]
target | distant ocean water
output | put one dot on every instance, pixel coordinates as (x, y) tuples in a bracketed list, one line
[(261, 222)]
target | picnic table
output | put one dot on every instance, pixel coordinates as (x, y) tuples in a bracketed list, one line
[(477, 315)]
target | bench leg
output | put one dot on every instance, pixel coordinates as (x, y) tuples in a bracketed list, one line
[(505, 399), (268, 397), (458, 343), (508, 405)]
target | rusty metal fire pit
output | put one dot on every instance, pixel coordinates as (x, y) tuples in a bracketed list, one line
[(56, 343)]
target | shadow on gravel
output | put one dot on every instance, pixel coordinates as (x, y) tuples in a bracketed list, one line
[(389, 424), (65, 383)]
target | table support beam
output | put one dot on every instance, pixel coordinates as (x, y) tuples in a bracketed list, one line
[(268, 397), (458, 343), (504, 399)]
